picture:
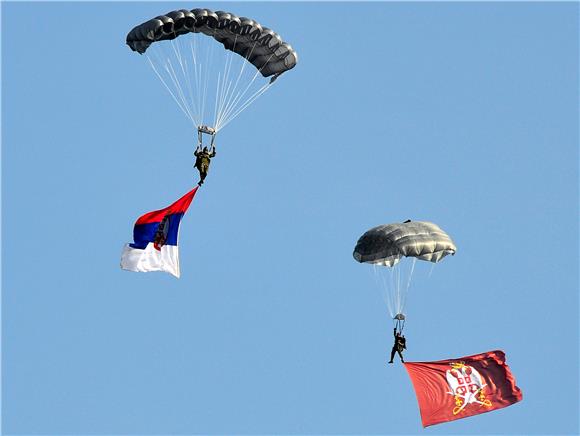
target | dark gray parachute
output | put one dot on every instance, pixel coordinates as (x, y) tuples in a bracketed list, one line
[(259, 45), (386, 244)]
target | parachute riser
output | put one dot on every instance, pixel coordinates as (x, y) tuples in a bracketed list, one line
[(399, 326), (201, 130), (399, 322)]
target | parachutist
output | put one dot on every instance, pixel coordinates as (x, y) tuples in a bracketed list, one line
[(399, 345), (202, 161)]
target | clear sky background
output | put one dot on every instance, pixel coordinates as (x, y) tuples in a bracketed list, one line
[(464, 114)]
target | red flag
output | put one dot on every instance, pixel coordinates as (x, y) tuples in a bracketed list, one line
[(457, 388)]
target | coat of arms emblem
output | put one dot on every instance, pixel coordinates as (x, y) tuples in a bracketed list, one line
[(467, 386), (161, 233)]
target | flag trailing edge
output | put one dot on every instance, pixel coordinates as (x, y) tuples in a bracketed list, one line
[(451, 389), (155, 237)]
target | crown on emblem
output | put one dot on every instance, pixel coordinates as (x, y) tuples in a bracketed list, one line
[(457, 365)]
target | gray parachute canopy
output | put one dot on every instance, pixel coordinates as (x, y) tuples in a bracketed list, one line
[(386, 244), (259, 45)]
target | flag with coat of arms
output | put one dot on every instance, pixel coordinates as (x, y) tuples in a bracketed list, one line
[(155, 236), (457, 388)]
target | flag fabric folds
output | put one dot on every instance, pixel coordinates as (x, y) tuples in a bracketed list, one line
[(155, 239), (457, 388)]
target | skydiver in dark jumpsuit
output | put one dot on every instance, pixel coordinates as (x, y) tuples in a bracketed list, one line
[(202, 161), (399, 346)]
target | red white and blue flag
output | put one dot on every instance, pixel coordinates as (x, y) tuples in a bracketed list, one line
[(155, 239)]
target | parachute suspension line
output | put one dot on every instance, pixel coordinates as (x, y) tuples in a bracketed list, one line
[(201, 57), (228, 116), (392, 290), (250, 100), (191, 72), (243, 67), (187, 114), (401, 288), (197, 53), (220, 85), (381, 280), (219, 97), (263, 89), (218, 100), (248, 103), (232, 101), (408, 285), (179, 52), (209, 61), (179, 57), (222, 99), (225, 86), (411, 273), (161, 58), (431, 270), (397, 271), (384, 286), (395, 283), (197, 75), (177, 83), (225, 107)]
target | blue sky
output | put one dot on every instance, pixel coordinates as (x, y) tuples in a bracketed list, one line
[(464, 114)]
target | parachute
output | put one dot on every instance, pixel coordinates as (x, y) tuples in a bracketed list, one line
[(387, 245), (200, 53)]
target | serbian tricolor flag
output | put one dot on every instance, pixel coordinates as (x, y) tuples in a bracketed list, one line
[(457, 388), (155, 235)]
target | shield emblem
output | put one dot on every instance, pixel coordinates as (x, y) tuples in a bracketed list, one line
[(466, 386), (161, 233)]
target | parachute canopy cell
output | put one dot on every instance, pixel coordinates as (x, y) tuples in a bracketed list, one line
[(388, 243), (261, 46)]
